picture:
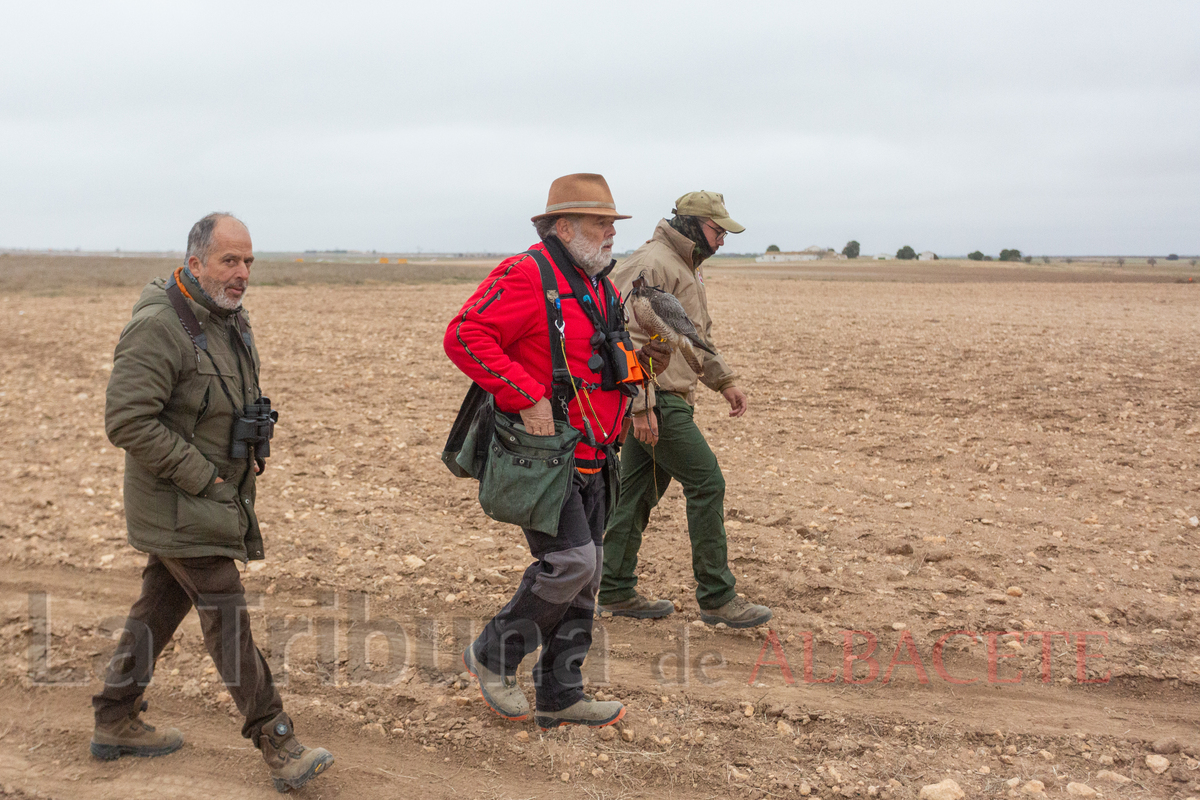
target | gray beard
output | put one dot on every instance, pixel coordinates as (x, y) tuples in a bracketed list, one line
[(216, 293), (590, 255)]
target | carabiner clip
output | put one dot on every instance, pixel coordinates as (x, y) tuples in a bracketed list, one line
[(562, 328)]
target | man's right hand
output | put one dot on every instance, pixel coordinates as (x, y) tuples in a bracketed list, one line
[(539, 418), (645, 428)]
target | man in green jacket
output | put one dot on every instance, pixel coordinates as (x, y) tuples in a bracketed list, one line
[(184, 370), (666, 443)]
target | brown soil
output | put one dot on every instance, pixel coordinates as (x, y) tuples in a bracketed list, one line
[(920, 457)]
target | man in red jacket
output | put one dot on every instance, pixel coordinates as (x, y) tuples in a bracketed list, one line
[(501, 340)]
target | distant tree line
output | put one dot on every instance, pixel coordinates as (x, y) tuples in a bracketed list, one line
[(906, 253), (1005, 255)]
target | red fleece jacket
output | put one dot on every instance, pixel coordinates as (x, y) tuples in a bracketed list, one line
[(500, 340)]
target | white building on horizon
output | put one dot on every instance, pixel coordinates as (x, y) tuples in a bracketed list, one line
[(813, 253)]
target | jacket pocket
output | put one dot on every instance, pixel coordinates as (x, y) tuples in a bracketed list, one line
[(214, 519), (489, 301), (149, 504)]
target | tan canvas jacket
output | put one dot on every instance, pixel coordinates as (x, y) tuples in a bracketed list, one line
[(666, 260)]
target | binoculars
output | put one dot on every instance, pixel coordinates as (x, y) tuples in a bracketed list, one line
[(615, 360), (254, 427)]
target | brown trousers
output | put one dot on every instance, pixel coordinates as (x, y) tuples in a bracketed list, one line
[(170, 587)]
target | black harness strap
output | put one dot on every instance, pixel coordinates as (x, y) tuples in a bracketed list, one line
[(613, 318), (560, 374), (191, 325), (186, 316)]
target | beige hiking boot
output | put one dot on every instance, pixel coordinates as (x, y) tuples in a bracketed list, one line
[(639, 607), (737, 613), (593, 713), (292, 764), (501, 693), (132, 737)]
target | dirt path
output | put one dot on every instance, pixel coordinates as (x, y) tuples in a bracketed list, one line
[(48, 725)]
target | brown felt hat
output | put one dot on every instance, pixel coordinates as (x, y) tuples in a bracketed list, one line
[(581, 193)]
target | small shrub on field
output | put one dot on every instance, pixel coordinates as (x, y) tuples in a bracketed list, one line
[(906, 253), (976, 256)]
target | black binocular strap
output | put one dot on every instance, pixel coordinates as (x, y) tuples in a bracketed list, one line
[(187, 317), (191, 325)]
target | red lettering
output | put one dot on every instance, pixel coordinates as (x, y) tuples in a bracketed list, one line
[(940, 667), (994, 656), (914, 659), (808, 662), (848, 657), (772, 641), (1081, 656), (1047, 644)]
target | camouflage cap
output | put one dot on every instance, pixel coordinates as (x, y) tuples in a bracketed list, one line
[(707, 204)]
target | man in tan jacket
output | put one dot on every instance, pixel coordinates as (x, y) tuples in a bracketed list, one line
[(666, 443)]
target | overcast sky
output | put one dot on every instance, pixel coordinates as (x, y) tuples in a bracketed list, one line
[(1063, 128)]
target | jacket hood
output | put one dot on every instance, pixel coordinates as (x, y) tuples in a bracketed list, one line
[(682, 245), (155, 294)]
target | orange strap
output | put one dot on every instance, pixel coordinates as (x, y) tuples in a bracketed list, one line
[(182, 287)]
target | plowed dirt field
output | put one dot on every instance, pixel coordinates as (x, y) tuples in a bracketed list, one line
[(970, 497)]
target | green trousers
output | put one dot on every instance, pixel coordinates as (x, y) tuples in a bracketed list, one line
[(682, 454)]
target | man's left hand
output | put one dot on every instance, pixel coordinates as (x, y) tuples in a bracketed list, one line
[(737, 400), (660, 352)]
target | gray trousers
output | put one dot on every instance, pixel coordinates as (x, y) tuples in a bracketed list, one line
[(556, 601)]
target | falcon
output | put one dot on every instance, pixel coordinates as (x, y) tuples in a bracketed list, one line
[(662, 317)]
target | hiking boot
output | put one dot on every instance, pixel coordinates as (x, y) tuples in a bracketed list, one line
[(737, 613), (132, 737), (593, 713), (292, 764), (501, 694), (640, 608)]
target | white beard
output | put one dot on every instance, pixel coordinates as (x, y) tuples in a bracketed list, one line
[(592, 256), (217, 292)]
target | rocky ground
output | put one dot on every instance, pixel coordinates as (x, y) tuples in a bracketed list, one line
[(994, 482)]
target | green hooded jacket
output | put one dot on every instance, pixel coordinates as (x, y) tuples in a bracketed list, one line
[(166, 409)]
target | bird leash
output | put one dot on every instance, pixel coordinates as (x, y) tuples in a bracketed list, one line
[(562, 343), (646, 390)]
